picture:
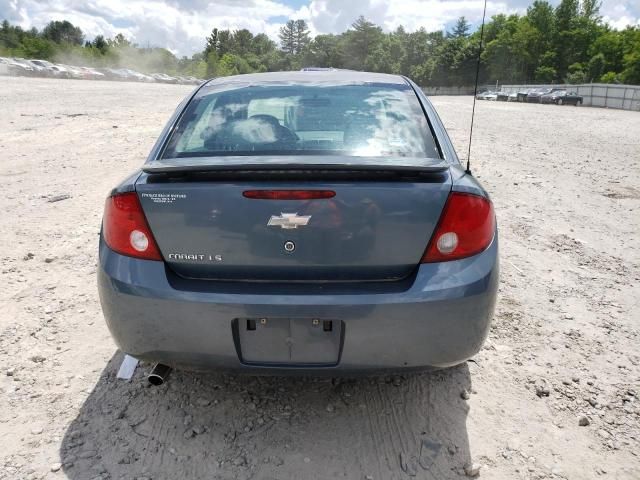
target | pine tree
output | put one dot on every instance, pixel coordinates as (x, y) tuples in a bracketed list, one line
[(461, 29), (212, 42), (288, 37), (301, 36)]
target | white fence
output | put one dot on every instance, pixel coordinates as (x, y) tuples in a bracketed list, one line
[(626, 97), (448, 90)]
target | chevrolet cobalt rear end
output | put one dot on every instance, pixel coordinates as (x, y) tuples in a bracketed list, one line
[(301, 221)]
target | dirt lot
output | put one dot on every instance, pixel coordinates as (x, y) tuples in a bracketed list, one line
[(563, 350)]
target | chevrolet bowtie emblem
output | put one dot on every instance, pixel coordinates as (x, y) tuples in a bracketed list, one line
[(288, 220)]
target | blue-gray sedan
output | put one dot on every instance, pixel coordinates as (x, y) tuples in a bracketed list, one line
[(313, 221)]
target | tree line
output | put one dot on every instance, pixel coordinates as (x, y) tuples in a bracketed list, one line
[(568, 43)]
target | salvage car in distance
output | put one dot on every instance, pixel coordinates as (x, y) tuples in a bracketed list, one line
[(534, 95), (562, 97), (311, 222), (487, 95), (17, 66)]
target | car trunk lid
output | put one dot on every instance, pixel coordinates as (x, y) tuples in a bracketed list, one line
[(372, 222)]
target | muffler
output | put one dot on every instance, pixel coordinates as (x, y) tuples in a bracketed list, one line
[(159, 374)]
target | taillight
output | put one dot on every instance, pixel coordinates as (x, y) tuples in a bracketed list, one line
[(466, 227), (125, 228)]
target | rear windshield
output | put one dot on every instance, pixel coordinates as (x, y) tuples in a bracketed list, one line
[(355, 120)]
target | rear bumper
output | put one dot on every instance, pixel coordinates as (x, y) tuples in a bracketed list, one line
[(437, 318)]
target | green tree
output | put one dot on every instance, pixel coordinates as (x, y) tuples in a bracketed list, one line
[(576, 74), (212, 42), (360, 41), (631, 58), (461, 28), (324, 51), (100, 43), (566, 14), (225, 43), (611, 45), (301, 36), (119, 41), (35, 47), (212, 69), (242, 42), (63, 32), (609, 77), (544, 74), (262, 45), (287, 37), (595, 67)]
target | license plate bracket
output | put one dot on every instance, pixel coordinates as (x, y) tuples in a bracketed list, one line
[(290, 341)]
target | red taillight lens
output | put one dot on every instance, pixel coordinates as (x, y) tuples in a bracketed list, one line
[(466, 227), (288, 194), (125, 228)]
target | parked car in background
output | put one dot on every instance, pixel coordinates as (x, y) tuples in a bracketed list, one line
[(521, 96), (44, 68), (37, 69), (562, 97), (52, 69), (74, 72), (513, 97), (534, 95), (164, 78), (186, 80), (137, 76), (92, 73), (31, 68), (487, 95), (19, 67), (124, 74), (49, 71), (502, 96), (61, 71), (194, 80), (118, 74), (110, 73), (4, 66)]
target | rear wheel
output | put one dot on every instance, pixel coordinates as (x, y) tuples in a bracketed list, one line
[(560, 102), (578, 102)]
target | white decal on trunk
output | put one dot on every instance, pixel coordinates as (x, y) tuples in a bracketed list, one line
[(159, 197)]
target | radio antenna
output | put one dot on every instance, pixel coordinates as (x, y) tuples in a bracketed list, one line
[(475, 88)]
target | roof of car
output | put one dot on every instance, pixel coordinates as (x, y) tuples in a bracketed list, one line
[(310, 76)]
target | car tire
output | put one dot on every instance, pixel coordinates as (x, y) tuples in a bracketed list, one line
[(578, 103), (560, 102)]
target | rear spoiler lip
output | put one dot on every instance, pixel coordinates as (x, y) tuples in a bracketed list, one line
[(212, 164)]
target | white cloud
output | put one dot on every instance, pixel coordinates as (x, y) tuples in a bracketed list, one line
[(334, 16), (621, 14), (182, 25), (179, 25)]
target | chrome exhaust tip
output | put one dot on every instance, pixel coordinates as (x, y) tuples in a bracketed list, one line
[(159, 374)]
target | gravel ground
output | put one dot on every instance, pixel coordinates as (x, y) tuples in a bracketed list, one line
[(553, 394)]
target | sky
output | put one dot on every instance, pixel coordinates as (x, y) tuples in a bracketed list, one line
[(182, 25)]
